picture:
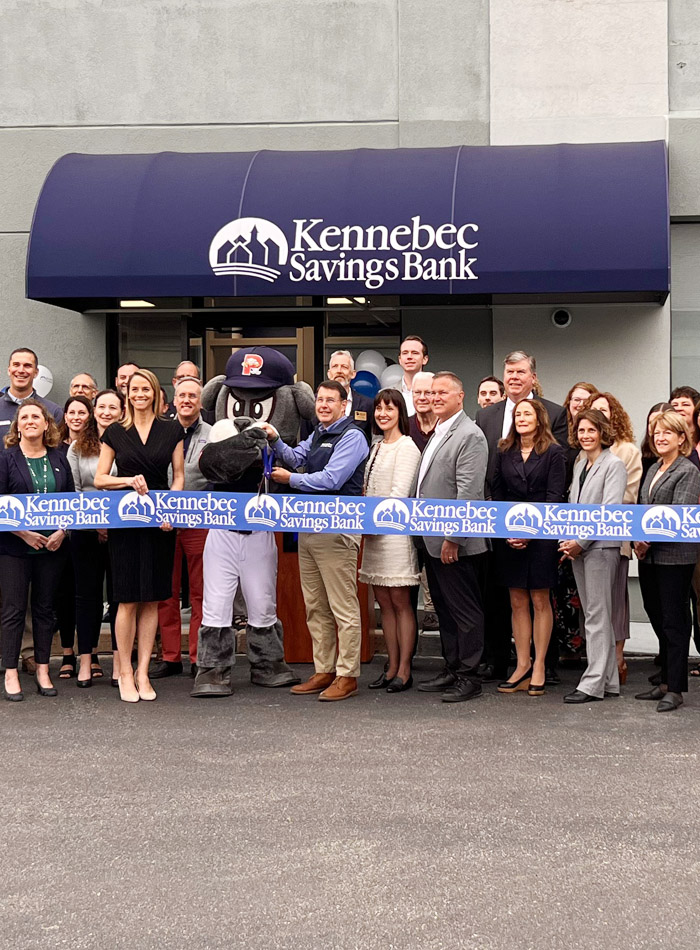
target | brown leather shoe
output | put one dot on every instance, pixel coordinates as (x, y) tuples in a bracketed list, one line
[(315, 684), (29, 664), (342, 687)]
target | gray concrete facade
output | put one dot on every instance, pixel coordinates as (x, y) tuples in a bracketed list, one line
[(201, 75)]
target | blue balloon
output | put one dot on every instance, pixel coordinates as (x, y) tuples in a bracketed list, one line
[(365, 383)]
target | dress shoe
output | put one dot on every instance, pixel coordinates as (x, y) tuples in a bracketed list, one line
[(653, 694), (29, 664), (608, 695), (656, 679), (46, 690), (13, 697), (381, 682), (342, 687), (438, 684), (146, 693), (397, 685), (159, 671), (462, 691), (516, 685), (580, 697), (127, 691), (536, 689), (551, 677), (487, 673), (670, 702), (430, 622), (84, 684), (315, 684)]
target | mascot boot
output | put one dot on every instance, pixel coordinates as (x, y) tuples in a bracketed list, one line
[(266, 656), (216, 653)]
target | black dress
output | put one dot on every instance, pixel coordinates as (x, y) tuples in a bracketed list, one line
[(142, 558), (542, 478)]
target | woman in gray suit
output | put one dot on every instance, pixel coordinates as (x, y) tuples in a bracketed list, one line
[(666, 567), (599, 478)]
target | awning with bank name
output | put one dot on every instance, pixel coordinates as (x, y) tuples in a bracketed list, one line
[(468, 220)]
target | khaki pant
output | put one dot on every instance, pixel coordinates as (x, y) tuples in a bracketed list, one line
[(328, 569)]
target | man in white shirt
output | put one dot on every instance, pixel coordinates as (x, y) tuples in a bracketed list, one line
[(490, 391), (341, 368), (413, 355)]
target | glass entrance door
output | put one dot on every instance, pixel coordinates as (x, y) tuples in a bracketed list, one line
[(296, 343)]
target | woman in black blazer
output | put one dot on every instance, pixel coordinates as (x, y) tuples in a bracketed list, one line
[(31, 464), (530, 466)]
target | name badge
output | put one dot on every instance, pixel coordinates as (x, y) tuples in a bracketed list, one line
[(361, 416)]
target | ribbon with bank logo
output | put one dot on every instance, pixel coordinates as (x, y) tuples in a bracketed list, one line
[(333, 514)]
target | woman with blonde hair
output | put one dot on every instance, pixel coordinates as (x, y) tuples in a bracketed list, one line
[(32, 463), (626, 450), (143, 446)]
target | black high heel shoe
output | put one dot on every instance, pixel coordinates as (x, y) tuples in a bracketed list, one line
[(46, 690), (522, 684), (13, 697), (84, 684), (397, 685)]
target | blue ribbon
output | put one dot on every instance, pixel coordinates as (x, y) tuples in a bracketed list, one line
[(333, 514)]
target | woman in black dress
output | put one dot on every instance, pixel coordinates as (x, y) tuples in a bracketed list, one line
[(530, 466), (142, 446)]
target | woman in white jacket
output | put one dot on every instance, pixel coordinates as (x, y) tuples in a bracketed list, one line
[(389, 562)]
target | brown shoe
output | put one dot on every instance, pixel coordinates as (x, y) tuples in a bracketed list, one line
[(29, 664), (342, 687), (315, 684)]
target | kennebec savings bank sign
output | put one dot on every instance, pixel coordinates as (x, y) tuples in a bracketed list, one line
[(414, 251)]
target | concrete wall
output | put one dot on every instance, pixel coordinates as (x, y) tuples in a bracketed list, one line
[(622, 349), (685, 305)]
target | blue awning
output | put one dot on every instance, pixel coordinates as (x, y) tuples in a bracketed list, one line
[(552, 219)]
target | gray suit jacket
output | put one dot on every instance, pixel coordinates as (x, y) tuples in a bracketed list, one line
[(605, 485), (457, 470), (679, 485)]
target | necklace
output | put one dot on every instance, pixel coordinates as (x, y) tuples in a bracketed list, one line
[(40, 480)]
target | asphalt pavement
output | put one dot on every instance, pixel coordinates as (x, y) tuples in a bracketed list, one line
[(391, 821)]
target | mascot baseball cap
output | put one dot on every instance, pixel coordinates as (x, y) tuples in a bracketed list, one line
[(258, 367)]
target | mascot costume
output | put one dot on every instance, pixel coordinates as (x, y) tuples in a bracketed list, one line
[(258, 387)]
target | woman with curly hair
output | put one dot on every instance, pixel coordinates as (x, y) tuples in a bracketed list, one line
[(626, 450), (89, 547), (31, 464)]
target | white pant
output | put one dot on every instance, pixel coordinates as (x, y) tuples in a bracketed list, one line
[(231, 558)]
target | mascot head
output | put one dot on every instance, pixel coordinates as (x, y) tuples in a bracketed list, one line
[(259, 386)]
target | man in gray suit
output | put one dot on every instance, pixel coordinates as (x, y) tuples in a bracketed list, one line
[(454, 466)]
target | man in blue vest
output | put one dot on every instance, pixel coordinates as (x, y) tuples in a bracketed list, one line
[(334, 460)]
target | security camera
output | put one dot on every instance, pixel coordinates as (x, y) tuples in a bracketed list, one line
[(561, 319)]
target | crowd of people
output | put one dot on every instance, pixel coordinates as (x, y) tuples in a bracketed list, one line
[(543, 596)]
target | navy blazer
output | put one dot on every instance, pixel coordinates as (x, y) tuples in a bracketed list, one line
[(16, 479), (542, 478)]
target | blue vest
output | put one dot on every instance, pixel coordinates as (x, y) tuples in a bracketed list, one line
[(322, 447)]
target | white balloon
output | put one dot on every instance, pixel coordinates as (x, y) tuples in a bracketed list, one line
[(391, 377), (43, 384), (371, 361)]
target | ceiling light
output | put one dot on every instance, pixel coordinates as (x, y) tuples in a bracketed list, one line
[(136, 303), (344, 301)]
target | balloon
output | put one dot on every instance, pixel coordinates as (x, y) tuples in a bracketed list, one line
[(365, 383), (43, 384), (371, 361), (391, 377)]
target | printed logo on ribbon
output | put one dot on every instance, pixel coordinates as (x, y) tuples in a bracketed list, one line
[(661, 519), (524, 518), (262, 510), (135, 507), (391, 514), (249, 246), (11, 511)]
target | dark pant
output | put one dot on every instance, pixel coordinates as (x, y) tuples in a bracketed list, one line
[(65, 600), (456, 592), (43, 571), (91, 564), (666, 596), (497, 619)]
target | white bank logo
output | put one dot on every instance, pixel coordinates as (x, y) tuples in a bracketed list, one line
[(262, 509), (135, 507), (524, 518), (662, 520), (392, 514), (11, 511), (323, 253)]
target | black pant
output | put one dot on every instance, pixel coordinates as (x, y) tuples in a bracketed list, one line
[(91, 564), (456, 592), (666, 596), (65, 601), (497, 619), (43, 571)]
